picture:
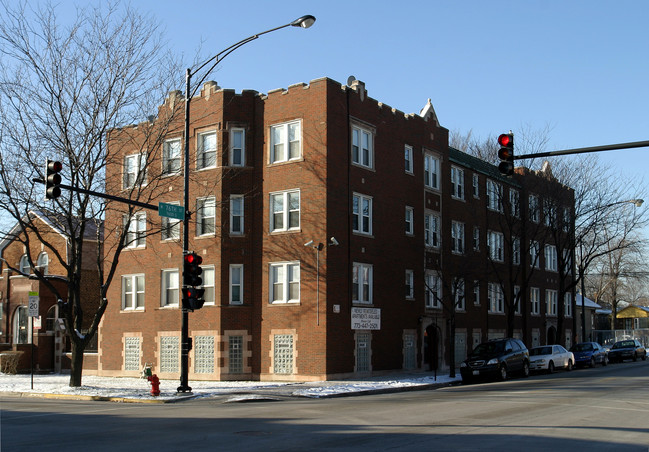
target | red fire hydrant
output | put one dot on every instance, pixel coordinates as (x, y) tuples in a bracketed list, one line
[(155, 384)]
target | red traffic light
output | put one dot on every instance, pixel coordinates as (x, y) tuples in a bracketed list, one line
[(506, 139), (193, 259)]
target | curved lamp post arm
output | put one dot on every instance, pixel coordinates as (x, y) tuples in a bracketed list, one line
[(303, 22)]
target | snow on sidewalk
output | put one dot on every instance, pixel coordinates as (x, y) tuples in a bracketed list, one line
[(138, 389)]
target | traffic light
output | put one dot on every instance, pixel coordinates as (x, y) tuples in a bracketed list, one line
[(192, 270), (506, 153), (192, 293), (193, 298), (52, 179)]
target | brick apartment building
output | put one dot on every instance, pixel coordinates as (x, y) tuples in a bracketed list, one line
[(17, 280), (333, 229)]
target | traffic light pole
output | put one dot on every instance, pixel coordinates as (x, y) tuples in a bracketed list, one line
[(608, 147)]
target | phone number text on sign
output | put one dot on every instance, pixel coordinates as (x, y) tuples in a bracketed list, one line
[(366, 319)]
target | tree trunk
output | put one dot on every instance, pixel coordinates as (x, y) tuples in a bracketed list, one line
[(451, 347), (76, 359)]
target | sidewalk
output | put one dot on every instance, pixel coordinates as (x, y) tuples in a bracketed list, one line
[(138, 390)]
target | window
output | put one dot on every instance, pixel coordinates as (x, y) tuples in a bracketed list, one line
[(496, 299), (235, 354), (457, 182), (431, 230), (410, 284), (409, 221), (283, 354), (132, 352), (549, 213), (551, 258), (494, 196), (204, 354), (534, 208), (362, 147), (362, 214), (433, 297), (285, 142), (362, 283), (516, 251), (169, 354), (476, 292), (170, 229), (236, 214), (535, 251), (171, 157), (567, 222), (459, 294), (208, 284), (567, 262), (514, 203), (408, 158), (457, 235), (567, 304), (132, 292), (285, 211), (43, 262), (236, 284), (517, 300), (24, 266), (431, 171), (237, 147), (134, 170), (496, 246), (476, 238), (169, 292), (535, 300), (136, 231), (284, 282), (551, 302), (205, 216), (206, 157), (476, 186)]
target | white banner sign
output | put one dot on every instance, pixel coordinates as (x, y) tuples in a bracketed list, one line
[(366, 319)]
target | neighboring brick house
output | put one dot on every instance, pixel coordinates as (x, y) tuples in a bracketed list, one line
[(329, 224), (16, 331)]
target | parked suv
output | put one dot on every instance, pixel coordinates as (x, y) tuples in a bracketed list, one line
[(496, 358)]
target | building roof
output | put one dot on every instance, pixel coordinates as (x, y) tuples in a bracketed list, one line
[(588, 303), (633, 312), (478, 165)]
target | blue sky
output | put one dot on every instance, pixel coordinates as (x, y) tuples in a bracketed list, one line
[(579, 67)]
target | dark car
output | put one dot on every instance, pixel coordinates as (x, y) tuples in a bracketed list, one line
[(497, 358), (627, 349), (589, 354)]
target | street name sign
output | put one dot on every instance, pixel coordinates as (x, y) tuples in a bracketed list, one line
[(171, 211)]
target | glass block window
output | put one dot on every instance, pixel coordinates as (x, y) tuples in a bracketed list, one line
[(132, 353), (362, 352), (283, 354), (235, 354), (409, 351), (169, 354), (204, 354)]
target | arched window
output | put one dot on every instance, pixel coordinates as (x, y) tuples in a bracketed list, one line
[(24, 265), (22, 326), (43, 262)]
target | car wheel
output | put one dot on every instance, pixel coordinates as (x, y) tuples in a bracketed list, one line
[(644, 356), (550, 367), (592, 362), (605, 360), (503, 372), (526, 369), (635, 356), (569, 368)]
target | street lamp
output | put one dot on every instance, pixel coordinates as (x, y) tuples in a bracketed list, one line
[(319, 247), (302, 22), (635, 202)]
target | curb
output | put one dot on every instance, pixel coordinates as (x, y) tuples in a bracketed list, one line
[(44, 395)]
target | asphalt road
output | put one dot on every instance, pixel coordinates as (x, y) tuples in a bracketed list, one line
[(600, 409)]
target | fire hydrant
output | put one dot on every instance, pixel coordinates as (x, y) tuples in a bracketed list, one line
[(155, 384)]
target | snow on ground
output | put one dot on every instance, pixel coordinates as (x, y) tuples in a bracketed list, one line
[(139, 389)]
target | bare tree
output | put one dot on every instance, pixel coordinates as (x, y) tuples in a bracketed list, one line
[(62, 90)]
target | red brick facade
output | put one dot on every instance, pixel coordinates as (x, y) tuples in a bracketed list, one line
[(294, 321)]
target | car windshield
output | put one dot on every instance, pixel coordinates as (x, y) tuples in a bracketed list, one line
[(583, 347), (489, 348), (623, 344), (541, 351)]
